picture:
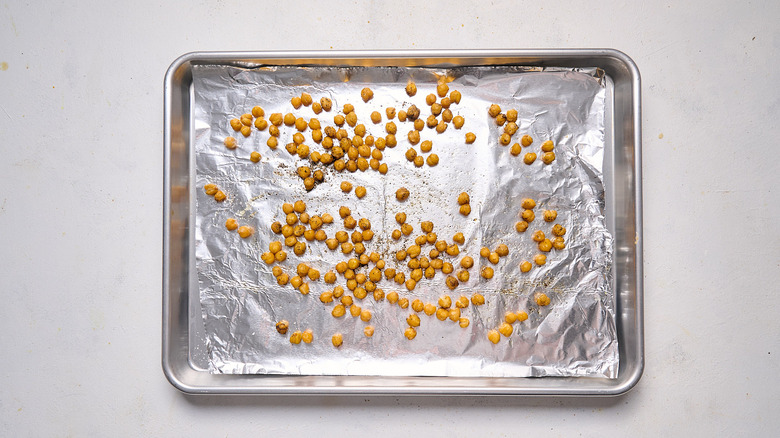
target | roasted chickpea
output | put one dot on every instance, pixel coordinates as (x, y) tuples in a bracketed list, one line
[(540, 259), (410, 333), (390, 141), (432, 160), (558, 243), (403, 303), (337, 339), (220, 196), (463, 276), (446, 115), (505, 329), (515, 150), (453, 250), (541, 299), (366, 94), (326, 103), (547, 146), (487, 272), (402, 194), (528, 215), (454, 314), (282, 326), (470, 137), (538, 236), (458, 121), (494, 258), (502, 250), (282, 279), (529, 158), (548, 157), (280, 256), (431, 121), (442, 89), (289, 119), (246, 119), (558, 230), (296, 102), (261, 124), (230, 142), (494, 110), (550, 215), (521, 226), (451, 282), (414, 137), (455, 96), (268, 257), (210, 189), (494, 336), (245, 231), (465, 209), (426, 146), (477, 299), (545, 245), (396, 234), (236, 124), (436, 109)]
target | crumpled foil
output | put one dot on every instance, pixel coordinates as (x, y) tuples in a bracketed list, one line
[(241, 302)]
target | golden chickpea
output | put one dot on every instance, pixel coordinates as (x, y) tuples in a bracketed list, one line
[(538, 236), (465, 209), (470, 137), (515, 150), (414, 137), (467, 262), (210, 189), (383, 169), (463, 276), (301, 124), (430, 272), (455, 96), (411, 154), (276, 119), (296, 102), (330, 277), (230, 142), (277, 271), (451, 282), (282, 279), (436, 109), (542, 299), (558, 230), (308, 336), (390, 140), (528, 215), (246, 131), (454, 314), (400, 278), (268, 257), (246, 119), (413, 251), (338, 311), (442, 89), (261, 124), (500, 119), (290, 241), (365, 315), (299, 248), (487, 272), (379, 295), (339, 120), (502, 250), (296, 337), (338, 291), (392, 297), (402, 194), (558, 243), (547, 146), (431, 121), (351, 119), (550, 215), (442, 314), (403, 303), (304, 289), (245, 231), (446, 115), (494, 110), (366, 94), (505, 329), (545, 245), (458, 121), (255, 157), (493, 258), (326, 103), (337, 339), (511, 115), (540, 259), (280, 256), (235, 124), (231, 224), (548, 157), (453, 250), (521, 226), (413, 320), (410, 333), (396, 234), (289, 119), (494, 336), (529, 158), (441, 127)]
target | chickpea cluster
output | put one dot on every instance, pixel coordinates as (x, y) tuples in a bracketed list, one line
[(214, 191), (544, 243), (508, 121)]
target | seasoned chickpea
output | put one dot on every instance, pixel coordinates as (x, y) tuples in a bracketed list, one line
[(308, 336), (558, 243), (505, 329), (516, 149), (500, 119), (296, 102), (330, 277), (493, 258), (528, 215), (436, 109), (441, 127), (376, 117), (255, 157), (338, 311), (277, 271), (245, 231), (467, 262), (545, 245), (339, 120), (210, 189), (502, 250), (411, 154), (299, 248), (455, 96), (510, 317), (282, 327), (487, 272), (304, 289), (504, 139), (431, 121), (236, 124), (446, 115), (547, 146), (538, 236), (550, 215), (337, 339), (413, 320), (289, 119), (351, 119), (396, 234), (454, 314), (521, 226), (272, 142), (426, 146), (540, 259), (494, 110), (477, 299), (414, 137), (494, 336), (548, 157), (390, 141), (268, 257), (231, 224), (246, 119), (280, 256), (465, 209), (484, 252), (558, 230), (430, 272), (529, 158), (366, 94), (326, 103), (402, 194), (276, 119), (413, 251), (365, 315), (230, 142), (304, 172), (403, 303), (410, 333), (301, 124), (442, 89), (442, 314), (542, 299), (220, 196), (432, 160), (511, 115), (458, 121), (261, 124), (314, 274), (453, 250), (451, 282), (463, 276), (283, 279), (463, 198), (429, 309), (470, 137)]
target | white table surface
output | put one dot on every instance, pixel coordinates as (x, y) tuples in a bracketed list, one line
[(81, 99)]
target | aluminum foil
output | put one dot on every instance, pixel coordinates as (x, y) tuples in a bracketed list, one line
[(574, 336)]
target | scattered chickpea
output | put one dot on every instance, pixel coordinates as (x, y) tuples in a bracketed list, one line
[(368, 331), (558, 243), (529, 158), (545, 245), (442, 314), (505, 329), (510, 317), (502, 250), (432, 160), (235, 124), (414, 137), (338, 311), (220, 196), (493, 258), (538, 236), (465, 209), (494, 110), (454, 314), (255, 157), (455, 96), (463, 276), (411, 153), (540, 259), (230, 142), (296, 102), (392, 297), (365, 315), (547, 146), (308, 336), (280, 256), (494, 336), (245, 231), (548, 157), (337, 339), (487, 272), (550, 215), (542, 299), (500, 119), (451, 282), (558, 230), (268, 257), (283, 279), (470, 137), (403, 303), (410, 333), (366, 94), (511, 115), (411, 88), (477, 299), (402, 194), (521, 226), (526, 140), (516, 149), (261, 124), (528, 215), (457, 122), (282, 327)]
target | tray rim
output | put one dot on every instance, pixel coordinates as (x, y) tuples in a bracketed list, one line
[(530, 57)]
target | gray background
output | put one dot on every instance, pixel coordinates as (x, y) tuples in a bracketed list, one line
[(81, 90)]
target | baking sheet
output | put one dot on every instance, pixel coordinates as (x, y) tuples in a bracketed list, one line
[(575, 335)]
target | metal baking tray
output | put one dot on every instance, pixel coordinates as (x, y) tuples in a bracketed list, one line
[(184, 357)]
